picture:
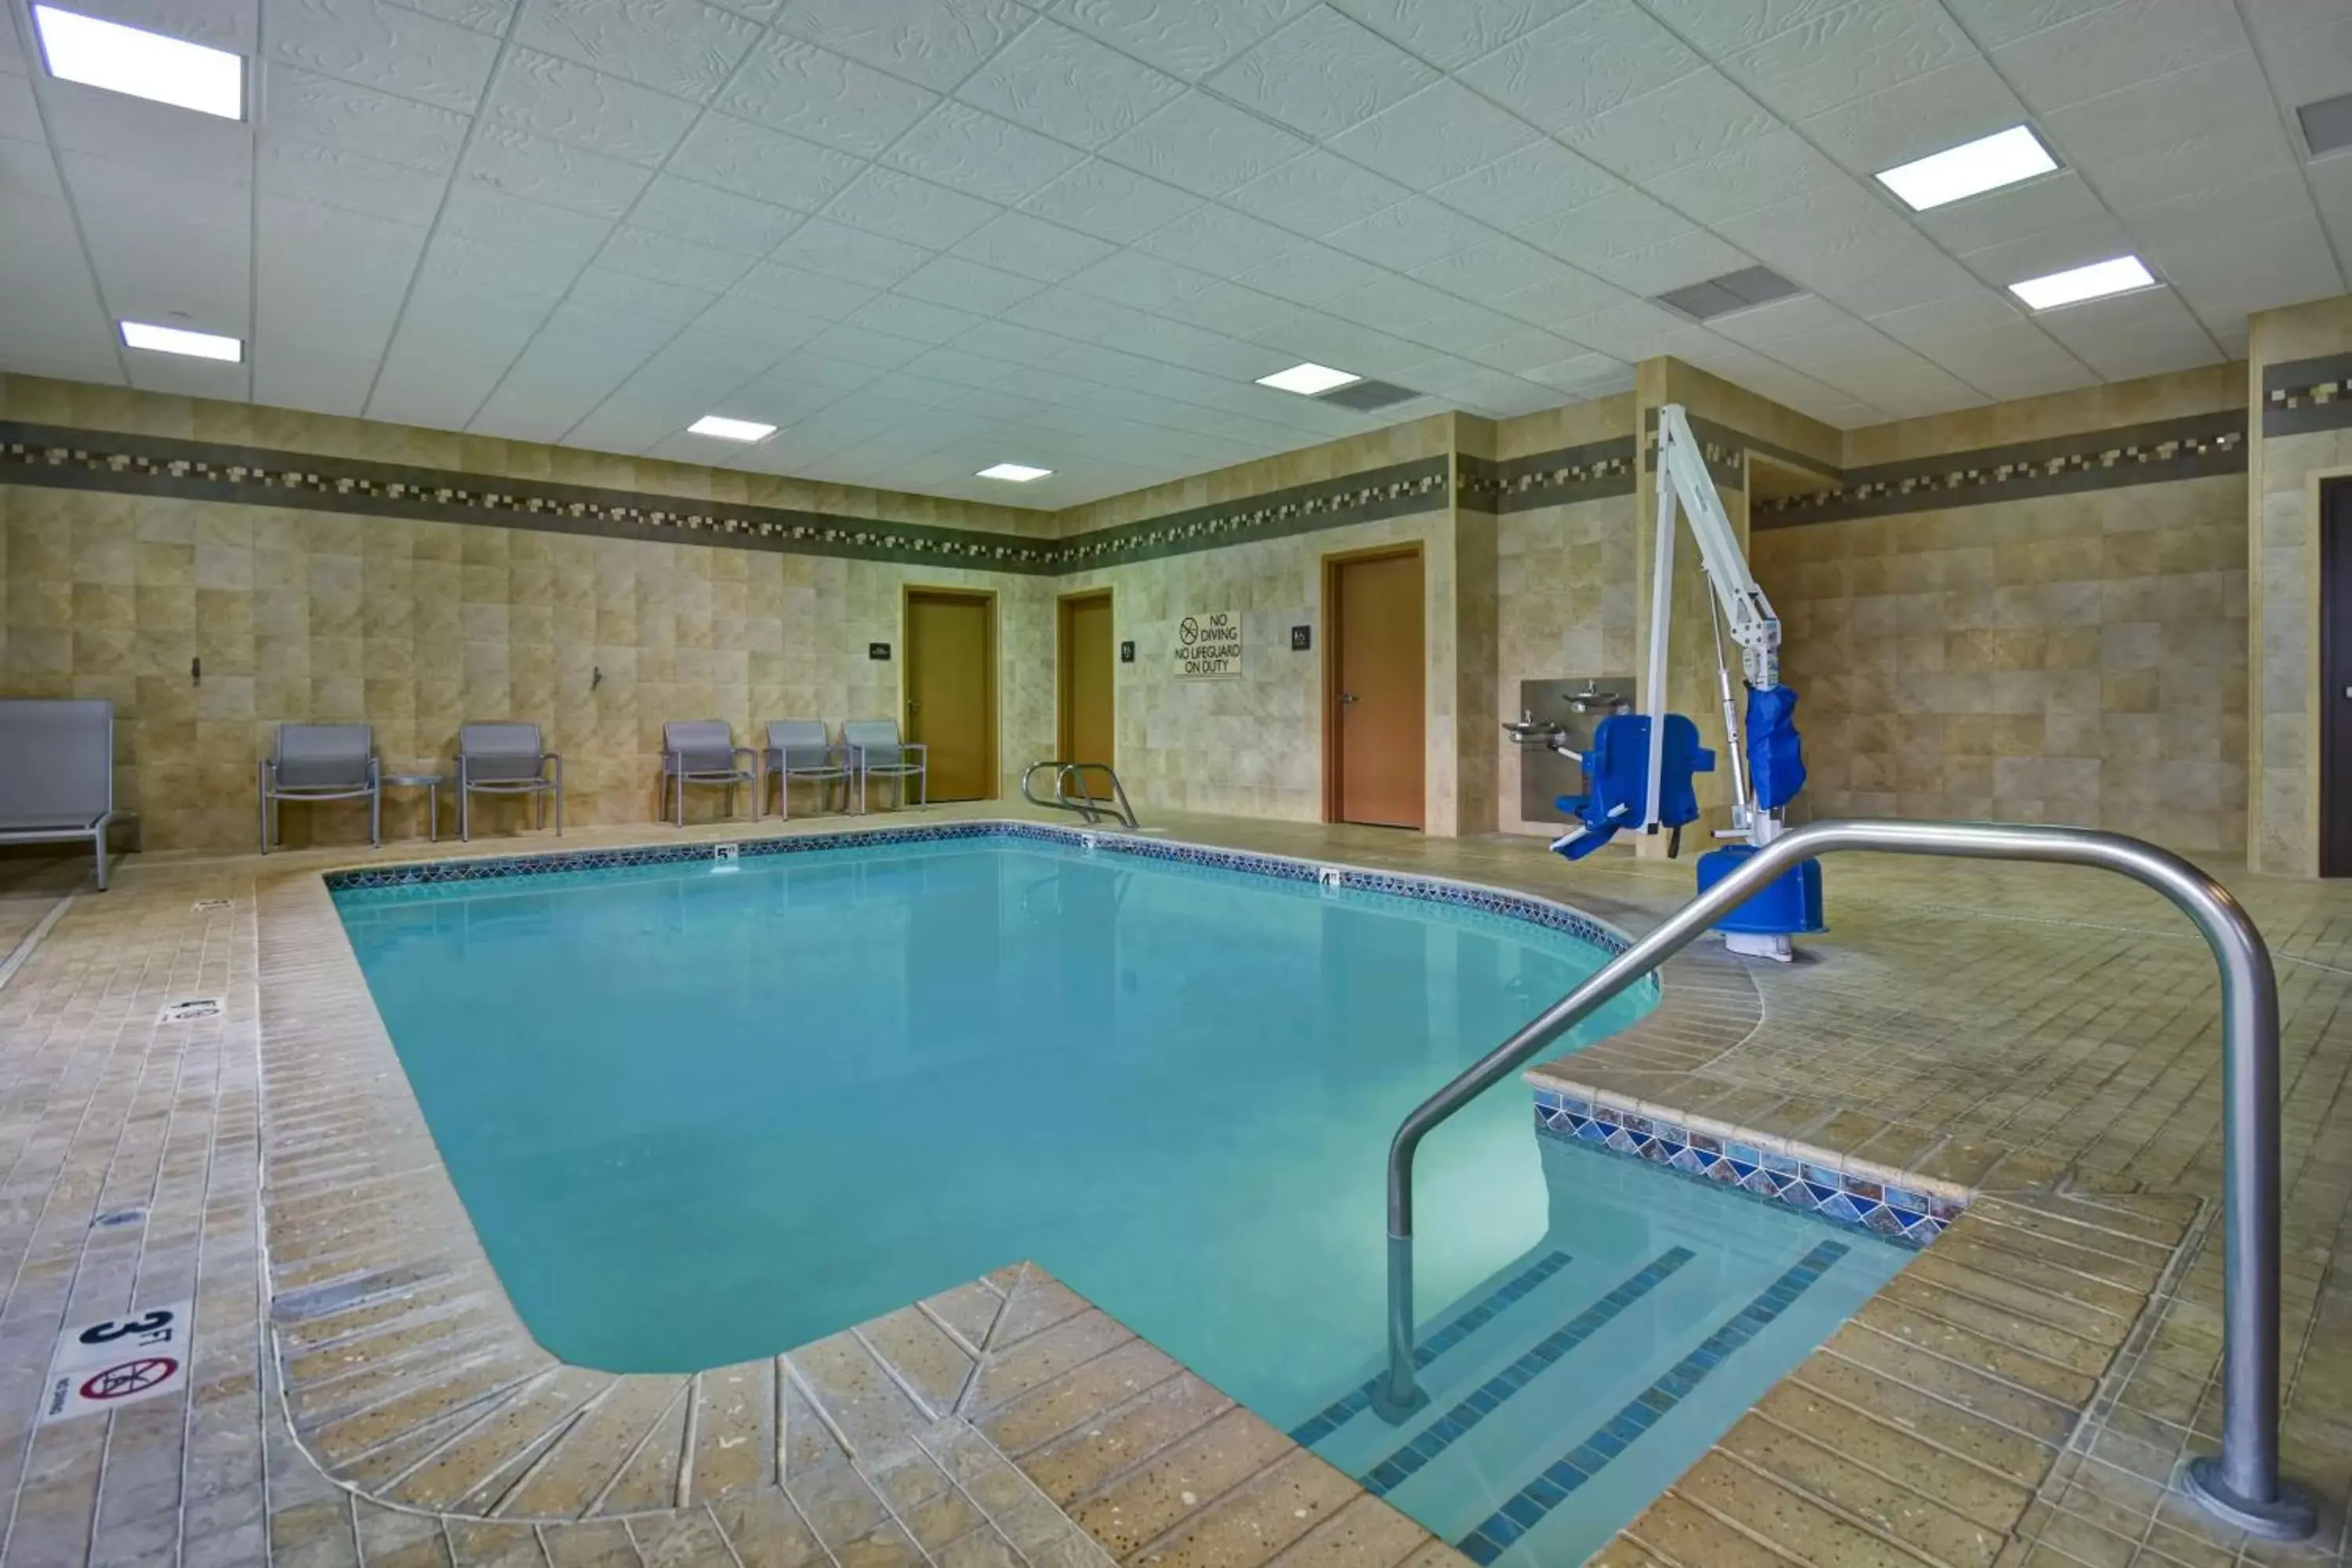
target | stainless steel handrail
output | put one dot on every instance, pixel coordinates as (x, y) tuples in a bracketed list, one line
[(2242, 1485), (1088, 806)]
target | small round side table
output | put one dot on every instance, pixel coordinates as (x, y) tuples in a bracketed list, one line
[(431, 784)]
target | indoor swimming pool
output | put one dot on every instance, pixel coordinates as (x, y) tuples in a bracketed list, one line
[(704, 1111)]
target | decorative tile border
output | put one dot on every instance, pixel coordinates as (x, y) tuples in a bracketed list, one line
[(1614, 1437), (1890, 1203), (1398, 490), (2303, 395), (1562, 477), (2196, 447), (57, 458), (1725, 449)]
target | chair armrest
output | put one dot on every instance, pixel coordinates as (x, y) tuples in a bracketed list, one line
[(915, 746)]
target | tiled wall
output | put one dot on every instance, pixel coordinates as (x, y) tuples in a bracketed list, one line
[(2075, 657), (2301, 412)]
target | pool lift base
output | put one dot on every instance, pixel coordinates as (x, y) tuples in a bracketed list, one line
[(2289, 1517)]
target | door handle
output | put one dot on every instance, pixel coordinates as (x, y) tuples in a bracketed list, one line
[(913, 706), (1346, 698)]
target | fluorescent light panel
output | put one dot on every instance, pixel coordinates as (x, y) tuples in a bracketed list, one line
[(1308, 379), (1019, 473), (728, 429), (1970, 169), (141, 63), (2099, 280), (180, 341)]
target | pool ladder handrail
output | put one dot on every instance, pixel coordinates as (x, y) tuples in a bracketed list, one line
[(2242, 1485), (1091, 807)]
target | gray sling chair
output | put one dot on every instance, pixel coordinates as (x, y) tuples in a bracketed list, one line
[(703, 752), (57, 772), (800, 749), (876, 752), (321, 762), (507, 758)]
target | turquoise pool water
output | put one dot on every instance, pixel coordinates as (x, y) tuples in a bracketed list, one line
[(700, 1114)]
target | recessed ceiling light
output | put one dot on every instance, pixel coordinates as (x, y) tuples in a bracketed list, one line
[(141, 63), (2095, 281), (1307, 380), (180, 341), (1970, 169), (1019, 473), (731, 430)]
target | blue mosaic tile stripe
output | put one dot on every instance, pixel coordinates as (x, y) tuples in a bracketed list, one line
[(1428, 1348), (1619, 1432), (1897, 1214), (1457, 1422)]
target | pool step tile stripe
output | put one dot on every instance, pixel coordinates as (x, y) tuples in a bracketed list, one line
[(1457, 1422), (1428, 1349), (1581, 1463)]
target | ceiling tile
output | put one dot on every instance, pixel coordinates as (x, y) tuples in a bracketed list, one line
[(357, 184), (1228, 308), (859, 345), (1675, 262), (1016, 242), (1321, 74), (490, 16), (1521, 350), (971, 150), (1622, 221), (1537, 181), (500, 222), (20, 112), (1110, 203), (679, 47), (752, 160), (953, 280), (791, 85), (666, 258), (1719, 31), (1585, 375), (903, 207), (1066, 85), (2059, 200), (2147, 333), (132, 131), (1316, 192), (1139, 280), (1839, 56), (709, 215), (1803, 316), (383, 47), (1945, 107), (799, 293), (1310, 275), (1689, 120), (1204, 146), (1218, 241), (532, 166), (1570, 298), (1442, 132), (2226, 273), (304, 107), (555, 98), (1597, 56), (542, 277), (1766, 171), (1452, 35), (2316, 64), (2121, 46), (603, 289), (232, 25), (1413, 231), (1188, 39), (920, 321), (854, 254), (936, 43)]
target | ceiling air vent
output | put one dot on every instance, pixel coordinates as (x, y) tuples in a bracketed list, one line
[(2327, 125), (1732, 291), (1368, 394)]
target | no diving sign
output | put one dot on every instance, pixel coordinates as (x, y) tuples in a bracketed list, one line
[(116, 1362)]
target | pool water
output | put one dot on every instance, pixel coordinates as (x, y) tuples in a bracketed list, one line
[(701, 1113)]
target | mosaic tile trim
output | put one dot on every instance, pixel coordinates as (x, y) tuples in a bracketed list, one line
[(1908, 1215), (1620, 1431), (197, 470), (1559, 477), (1396, 490), (1488, 1397), (2196, 447), (1428, 1347), (1725, 449), (2300, 397)]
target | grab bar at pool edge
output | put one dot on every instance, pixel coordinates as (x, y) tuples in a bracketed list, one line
[(1087, 806), (2242, 1485)]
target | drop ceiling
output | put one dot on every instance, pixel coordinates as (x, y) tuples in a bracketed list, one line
[(923, 237)]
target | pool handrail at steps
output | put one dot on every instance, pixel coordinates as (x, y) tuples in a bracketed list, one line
[(2241, 1486), (1086, 804)]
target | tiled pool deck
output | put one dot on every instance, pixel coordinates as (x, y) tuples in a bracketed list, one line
[(2045, 1039)]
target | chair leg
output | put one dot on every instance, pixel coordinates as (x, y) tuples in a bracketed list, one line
[(559, 797), (97, 843), (375, 817)]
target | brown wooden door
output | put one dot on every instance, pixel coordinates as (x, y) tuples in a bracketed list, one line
[(1084, 732), (1375, 676), (951, 691), (2336, 678)]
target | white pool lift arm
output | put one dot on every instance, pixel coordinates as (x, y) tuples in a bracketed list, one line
[(1686, 490)]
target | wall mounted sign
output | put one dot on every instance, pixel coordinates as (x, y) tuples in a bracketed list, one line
[(879, 650), (1127, 653), (1209, 646), (1301, 638)]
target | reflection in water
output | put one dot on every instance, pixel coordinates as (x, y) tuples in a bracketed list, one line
[(700, 1116)]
